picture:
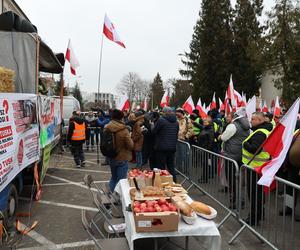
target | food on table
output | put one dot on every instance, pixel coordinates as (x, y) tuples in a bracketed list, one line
[(152, 191), (137, 172), (185, 208), (176, 189), (200, 207), (169, 193), (161, 205), (157, 180), (190, 219)]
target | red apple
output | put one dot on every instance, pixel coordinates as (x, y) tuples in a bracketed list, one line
[(158, 209), (162, 201), (143, 205), (136, 204), (136, 210), (151, 209)]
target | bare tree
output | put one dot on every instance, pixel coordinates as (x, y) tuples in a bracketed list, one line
[(133, 86)]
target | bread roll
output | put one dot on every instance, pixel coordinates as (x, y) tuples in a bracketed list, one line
[(200, 207), (185, 208)]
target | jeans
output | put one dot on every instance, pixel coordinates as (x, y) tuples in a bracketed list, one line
[(139, 159), (119, 171), (90, 137), (78, 154), (166, 159)]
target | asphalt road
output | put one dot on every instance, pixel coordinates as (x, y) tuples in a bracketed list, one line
[(58, 213)]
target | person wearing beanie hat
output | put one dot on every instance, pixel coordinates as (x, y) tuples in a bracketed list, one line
[(123, 146)]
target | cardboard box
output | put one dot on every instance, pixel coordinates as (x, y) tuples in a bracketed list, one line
[(148, 181), (156, 222)]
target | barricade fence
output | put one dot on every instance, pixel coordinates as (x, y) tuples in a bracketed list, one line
[(236, 190)]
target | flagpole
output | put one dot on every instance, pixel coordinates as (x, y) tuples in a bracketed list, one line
[(100, 63)]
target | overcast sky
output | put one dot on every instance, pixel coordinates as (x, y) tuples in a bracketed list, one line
[(154, 32)]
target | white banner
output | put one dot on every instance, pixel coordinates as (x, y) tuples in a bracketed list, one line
[(19, 134)]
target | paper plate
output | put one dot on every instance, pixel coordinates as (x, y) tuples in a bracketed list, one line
[(210, 216), (189, 220)]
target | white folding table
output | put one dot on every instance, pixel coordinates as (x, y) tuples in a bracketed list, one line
[(205, 231)]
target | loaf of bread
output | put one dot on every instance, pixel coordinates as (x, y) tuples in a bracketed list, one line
[(185, 208), (200, 207)]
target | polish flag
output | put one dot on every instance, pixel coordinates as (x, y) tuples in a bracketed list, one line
[(133, 106), (230, 93), (228, 108), (265, 107), (277, 110), (124, 103), (71, 58), (189, 105), (278, 144), (221, 105), (251, 107), (201, 109), (238, 98), (145, 106), (260, 106), (110, 32), (243, 102), (164, 100), (213, 104)]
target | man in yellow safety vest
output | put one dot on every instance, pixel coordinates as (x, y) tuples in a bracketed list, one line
[(76, 136), (254, 156)]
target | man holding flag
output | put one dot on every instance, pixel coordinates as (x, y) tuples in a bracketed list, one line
[(254, 156)]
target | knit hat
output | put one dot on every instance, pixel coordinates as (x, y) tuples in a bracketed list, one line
[(167, 110)]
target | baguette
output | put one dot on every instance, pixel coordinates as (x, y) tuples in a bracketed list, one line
[(200, 207)]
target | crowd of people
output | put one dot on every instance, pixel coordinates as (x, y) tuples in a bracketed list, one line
[(149, 139)]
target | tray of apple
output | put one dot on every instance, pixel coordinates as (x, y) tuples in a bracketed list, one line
[(153, 206)]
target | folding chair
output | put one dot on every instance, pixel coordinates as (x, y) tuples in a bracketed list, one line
[(109, 222), (102, 243), (107, 198)]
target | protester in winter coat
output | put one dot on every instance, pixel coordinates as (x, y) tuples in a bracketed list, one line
[(124, 146), (138, 138), (148, 141), (254, 156), (91, 122), (76, 136), (206, 136), (154, 117), (233, 136), (166, 133), (185, 126)]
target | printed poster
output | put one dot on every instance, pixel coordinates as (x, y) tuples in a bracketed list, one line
[(19, 134)]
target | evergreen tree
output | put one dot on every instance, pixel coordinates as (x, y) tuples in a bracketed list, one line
[(156, 91), (209, 61), (77, 94), (248, 46), (284, 48), (182, 89), (57, 89)]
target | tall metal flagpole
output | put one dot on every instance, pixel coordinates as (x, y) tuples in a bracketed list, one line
[(99, 76)]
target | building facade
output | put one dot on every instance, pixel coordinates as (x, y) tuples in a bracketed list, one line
[(11, 5), (268, 90), (106, 98)]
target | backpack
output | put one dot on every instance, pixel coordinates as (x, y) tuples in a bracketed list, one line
[(108, 144)]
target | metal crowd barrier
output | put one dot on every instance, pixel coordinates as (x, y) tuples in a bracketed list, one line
[(202, 168), (263, 212)]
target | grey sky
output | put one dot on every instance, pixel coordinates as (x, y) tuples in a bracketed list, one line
[(154, 32)]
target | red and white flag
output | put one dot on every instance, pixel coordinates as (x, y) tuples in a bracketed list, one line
[(165, 100), (124, 103), (278, 144), (221, 105), (71, 58), (189, 106), (110, 32), (145, 106), (230, 93), (213, 104), (251, 107), (201, 109), (265, 107), (238, 98), (277, 109)]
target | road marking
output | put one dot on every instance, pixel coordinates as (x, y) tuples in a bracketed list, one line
[(66, 183), (63, 245), (39, 238), (81, 170), (67, 157), (59, 204), (71, 182)]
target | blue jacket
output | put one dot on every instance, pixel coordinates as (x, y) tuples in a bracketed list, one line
[(102, 121), (165, 132)]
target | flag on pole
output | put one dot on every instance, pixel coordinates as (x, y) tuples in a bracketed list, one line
[(265, 107), (110, 32), (201, 109), (277, 110), (145, 106), (251, 107), (165, 100), (230, 93), (71, 58), (124, 103), (278, 144), (213, 104), (189, 105), (238, 98), (221, 105)]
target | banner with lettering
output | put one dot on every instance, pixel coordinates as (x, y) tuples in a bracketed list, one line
[(50, 119), (19, 134)]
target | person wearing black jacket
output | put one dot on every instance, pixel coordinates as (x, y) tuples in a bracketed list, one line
[(165, 132), (76, 136), (252, 145)]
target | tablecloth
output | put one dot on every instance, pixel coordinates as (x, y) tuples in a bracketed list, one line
[(206, 229)]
